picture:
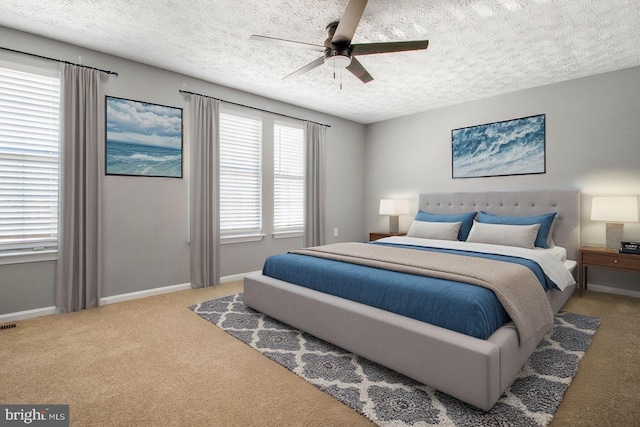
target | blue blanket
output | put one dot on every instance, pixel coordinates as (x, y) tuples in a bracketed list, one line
[(464, 308)]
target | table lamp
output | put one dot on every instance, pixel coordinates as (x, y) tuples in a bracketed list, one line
[(393, 208), (615, 210)]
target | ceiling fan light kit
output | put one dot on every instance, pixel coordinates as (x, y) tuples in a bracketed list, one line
[(338, 51), (337, 58)]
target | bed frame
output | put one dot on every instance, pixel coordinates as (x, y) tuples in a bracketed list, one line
[(473, 370)]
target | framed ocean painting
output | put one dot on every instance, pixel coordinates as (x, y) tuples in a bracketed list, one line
[(510, 147), (143, 139)]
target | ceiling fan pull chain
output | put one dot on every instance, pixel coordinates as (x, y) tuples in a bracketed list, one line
[(340, 79)]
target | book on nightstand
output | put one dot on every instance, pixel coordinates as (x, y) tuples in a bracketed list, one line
[(630, 247)]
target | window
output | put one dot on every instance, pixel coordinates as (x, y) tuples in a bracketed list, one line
[(288, 178), (240, 175), (29, 155)]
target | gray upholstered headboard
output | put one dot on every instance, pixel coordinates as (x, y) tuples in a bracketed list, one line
[(566, 202)]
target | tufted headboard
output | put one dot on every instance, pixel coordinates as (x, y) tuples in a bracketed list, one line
[(566, 232)]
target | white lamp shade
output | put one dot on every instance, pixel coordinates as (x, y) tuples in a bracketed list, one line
[(394, 207), (614, 209)]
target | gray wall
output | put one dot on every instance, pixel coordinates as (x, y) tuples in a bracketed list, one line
[(145, 220), (592, 144)]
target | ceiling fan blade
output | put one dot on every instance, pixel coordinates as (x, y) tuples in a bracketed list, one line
[(349, 22), (386, 47), (358, 70), (310, 66), (288, 43)]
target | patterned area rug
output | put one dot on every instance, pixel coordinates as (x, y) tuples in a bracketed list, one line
[(391, 399)]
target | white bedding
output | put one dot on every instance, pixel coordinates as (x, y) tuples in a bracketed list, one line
[(558, 251), (550, 260)]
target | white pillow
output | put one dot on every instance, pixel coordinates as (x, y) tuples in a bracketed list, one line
[(523, 236), (435, 230)]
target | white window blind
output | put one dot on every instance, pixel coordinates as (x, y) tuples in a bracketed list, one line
[(288, 180), (240, 175), (29, 155)]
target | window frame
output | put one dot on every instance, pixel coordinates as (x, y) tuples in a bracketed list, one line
[(49, 252), (296, 230), (240, 235)]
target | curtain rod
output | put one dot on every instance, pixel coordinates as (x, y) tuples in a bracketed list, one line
[(59, 60), (253, 108)]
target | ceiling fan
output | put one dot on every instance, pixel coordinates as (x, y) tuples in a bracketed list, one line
[(338, 51)]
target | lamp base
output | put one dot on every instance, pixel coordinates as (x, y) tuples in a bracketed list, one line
[(394, 223), (614, 235)]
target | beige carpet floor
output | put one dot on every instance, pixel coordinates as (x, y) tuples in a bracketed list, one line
[(154, 362)]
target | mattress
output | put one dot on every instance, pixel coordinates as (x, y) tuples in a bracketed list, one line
[(468, 309)]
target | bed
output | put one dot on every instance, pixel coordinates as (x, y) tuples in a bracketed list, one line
[(474, 370)]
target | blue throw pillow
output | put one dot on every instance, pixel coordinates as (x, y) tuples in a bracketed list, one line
[(544, 220), (465, 218)]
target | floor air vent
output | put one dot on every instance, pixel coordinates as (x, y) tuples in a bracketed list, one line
[(9, 326)]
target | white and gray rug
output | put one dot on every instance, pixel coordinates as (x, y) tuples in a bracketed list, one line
[(391, 399)]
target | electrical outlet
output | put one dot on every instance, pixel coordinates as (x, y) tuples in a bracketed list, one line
[(335, 232)]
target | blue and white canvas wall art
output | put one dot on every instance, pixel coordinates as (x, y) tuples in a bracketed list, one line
[(511, 147), (143, 139)]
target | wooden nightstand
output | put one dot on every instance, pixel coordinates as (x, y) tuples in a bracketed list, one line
[(598, 256), (376, 236)]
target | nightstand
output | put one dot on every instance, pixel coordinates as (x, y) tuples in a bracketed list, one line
[(376, 236), (598, 256)]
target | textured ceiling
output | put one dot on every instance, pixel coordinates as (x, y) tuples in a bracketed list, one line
[(477, 48)]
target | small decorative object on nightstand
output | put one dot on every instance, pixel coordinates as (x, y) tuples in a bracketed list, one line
[(600, 257), (376, 236)]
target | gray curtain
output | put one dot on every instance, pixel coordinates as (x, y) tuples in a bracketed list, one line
[(314, 184), (204, 196), (78, 273)]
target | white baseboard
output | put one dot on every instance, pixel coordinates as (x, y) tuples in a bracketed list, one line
[(142, 294), (235, 277), (45, 311), (27, 314), (163, 290), (610, 290)]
